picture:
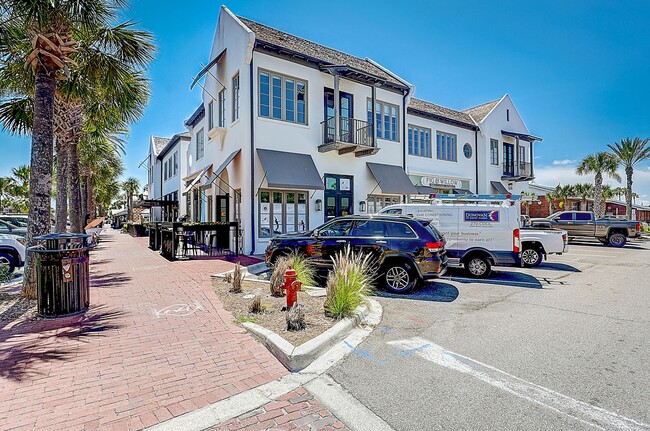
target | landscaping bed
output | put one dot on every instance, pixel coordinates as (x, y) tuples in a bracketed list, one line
[(273, 317), (13, 306)]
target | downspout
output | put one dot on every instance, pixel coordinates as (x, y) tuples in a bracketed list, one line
[(252, 111), (476, 157), (532, 173), (404, 143)]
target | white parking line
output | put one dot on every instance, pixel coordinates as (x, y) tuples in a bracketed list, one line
[(579, 410)]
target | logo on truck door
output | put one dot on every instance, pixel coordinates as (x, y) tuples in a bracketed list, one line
[(492, 216)]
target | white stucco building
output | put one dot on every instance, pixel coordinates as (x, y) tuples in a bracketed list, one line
[(291, 133)]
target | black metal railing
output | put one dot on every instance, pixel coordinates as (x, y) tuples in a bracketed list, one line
[(521, 169), (350, 130)]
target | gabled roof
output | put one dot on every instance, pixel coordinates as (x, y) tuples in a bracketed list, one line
[(478, 113), (313, 52), (173, 141), (159, 143), (196, 116), (437, 112)]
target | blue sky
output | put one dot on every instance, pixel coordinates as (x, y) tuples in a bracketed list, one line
[(576, 70)]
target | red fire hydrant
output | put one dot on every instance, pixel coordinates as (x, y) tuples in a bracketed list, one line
[(292, 286)]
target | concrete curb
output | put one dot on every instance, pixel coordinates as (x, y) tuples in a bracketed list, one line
[(298, 358)]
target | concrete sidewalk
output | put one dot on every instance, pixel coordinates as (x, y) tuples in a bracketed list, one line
[(156, 343)]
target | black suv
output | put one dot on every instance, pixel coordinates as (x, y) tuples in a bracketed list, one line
[(406, 249)]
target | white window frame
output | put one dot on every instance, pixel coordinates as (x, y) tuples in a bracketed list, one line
[(200, 144), (494, 152), (412, 132), (283, 219), (175, 162), (235, 97), (297, 82), (211, 115), (380, 127), (445, 151), (222, 108)]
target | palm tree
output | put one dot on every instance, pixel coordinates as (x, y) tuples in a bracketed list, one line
[(6, 186), (630, 152), (584, 191), (46, 37), (131, 186), (599, 164), (551, 197), (564, 193), (618, 192)]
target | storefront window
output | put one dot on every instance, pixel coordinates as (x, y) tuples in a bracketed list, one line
[(376, 203), (282, 212)]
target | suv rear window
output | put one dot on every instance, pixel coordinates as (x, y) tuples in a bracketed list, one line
[(369, 228), (434, 231), (400, 230)]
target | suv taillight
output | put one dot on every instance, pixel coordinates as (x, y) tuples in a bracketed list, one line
[(435, 247), (638, 227), (516, 244)]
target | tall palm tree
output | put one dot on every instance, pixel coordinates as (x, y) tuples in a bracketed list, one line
[(564, 193), (599, 164), (629, 153), (618, 192), (131, 186)]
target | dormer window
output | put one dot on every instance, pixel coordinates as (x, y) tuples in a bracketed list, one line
[(507, 114)]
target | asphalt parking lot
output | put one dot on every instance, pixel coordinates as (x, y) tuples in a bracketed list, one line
[(561, 346)]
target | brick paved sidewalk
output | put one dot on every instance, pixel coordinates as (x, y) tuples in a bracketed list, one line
[(297, 410), (156, 343)]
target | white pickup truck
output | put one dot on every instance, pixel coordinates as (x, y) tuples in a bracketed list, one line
[(12, 251), (537, 244)]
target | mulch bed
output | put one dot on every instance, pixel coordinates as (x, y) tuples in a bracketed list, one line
[(13, 306), (273, 317)]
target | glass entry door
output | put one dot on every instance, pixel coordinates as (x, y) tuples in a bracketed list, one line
[(346, 115), (223, 208), (339, 196)]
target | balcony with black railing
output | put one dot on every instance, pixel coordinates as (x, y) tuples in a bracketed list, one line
[(351, 135), (517, 171)]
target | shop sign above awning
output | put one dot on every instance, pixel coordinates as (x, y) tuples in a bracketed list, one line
[(290, 170), (392, 179)]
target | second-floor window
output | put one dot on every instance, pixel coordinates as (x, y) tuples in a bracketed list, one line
[(165, 175), (446, 146), (211, 115), (175, 162), (200, 145), (494, 152), (387, 120), (282, 98), (522, 154), (222, 108), (235, 97), (419, 141)]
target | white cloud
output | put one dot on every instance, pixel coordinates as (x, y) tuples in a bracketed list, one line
[(563, 162)]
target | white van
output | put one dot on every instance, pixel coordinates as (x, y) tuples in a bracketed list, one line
[(478, 235)]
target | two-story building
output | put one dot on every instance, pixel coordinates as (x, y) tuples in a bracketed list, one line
[(291, 133)]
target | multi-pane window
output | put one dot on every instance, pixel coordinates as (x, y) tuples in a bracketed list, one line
[(200, 145), (522, 154), (419, 141), (165, 175), (235, 97), (175, 162), (494, 151), (376, 203), (446, 146), (387, 120), (211, 115), (282, 98), (282, 212), (222, 108)]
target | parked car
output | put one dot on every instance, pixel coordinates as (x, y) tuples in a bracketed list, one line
[(12, 251), (11, 229), (537, 244), (19, 220), (406, 250), (584, 224)]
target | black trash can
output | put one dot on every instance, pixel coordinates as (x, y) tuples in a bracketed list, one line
[(62, 274), (154, 235)]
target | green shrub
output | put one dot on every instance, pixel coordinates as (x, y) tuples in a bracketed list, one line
[(349, 283)]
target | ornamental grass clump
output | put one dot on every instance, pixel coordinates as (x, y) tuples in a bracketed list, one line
[(349, 283), (295, 318), (256, 306), (305, 272), (237, 278)]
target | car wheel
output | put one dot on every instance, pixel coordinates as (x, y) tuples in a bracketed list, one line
[(399, 277), (617, 240), (531, 257), (7, 263), (478, 267)]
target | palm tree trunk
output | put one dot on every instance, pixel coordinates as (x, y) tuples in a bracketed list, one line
[(75, 191), (40, 181), (629, 171), (61, 184), (92, 210), (598, 194), (84, 199)]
